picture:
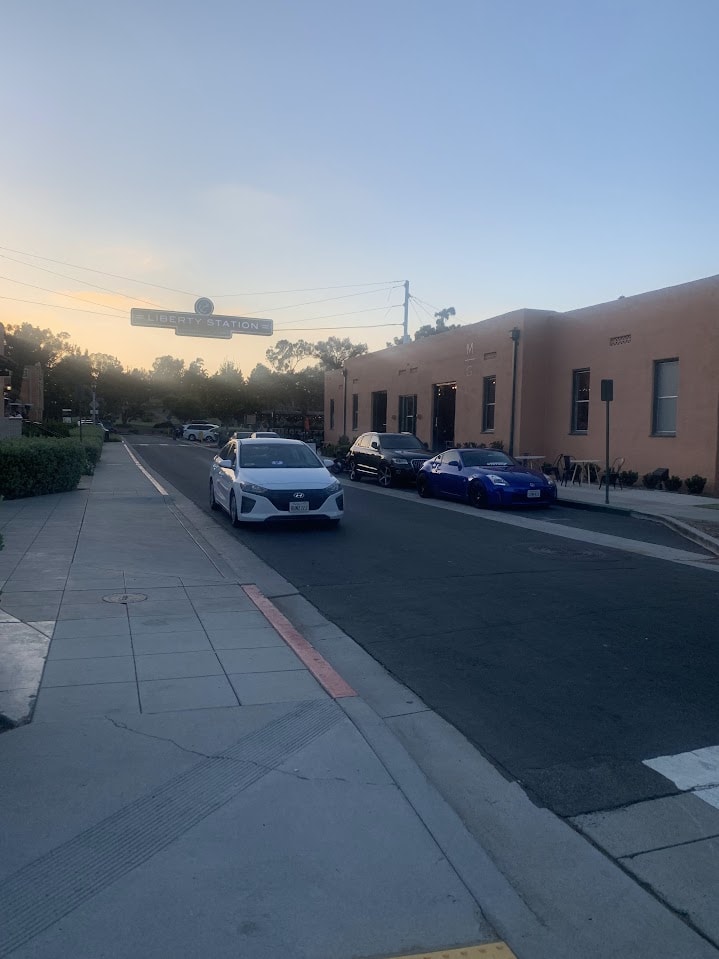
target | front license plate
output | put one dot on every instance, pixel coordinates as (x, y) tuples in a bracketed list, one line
[(299, 507), (534, 493)]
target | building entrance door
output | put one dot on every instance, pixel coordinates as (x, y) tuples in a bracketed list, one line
[(379, 412), (445, 397)]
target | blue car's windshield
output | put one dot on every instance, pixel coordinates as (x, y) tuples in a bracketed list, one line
[(485, 458), (265, 456)]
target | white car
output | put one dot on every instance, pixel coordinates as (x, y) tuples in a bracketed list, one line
[(257, 480), (199, 431)]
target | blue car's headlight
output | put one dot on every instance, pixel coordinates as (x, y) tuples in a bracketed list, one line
[(549, 480), (253, 488), (496, 480)]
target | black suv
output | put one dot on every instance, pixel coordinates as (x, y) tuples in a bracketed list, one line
[(387, 457)]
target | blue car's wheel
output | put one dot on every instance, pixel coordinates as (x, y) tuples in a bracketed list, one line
[(423, 486), (477, 495)]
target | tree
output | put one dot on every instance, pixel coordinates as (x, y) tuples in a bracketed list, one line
[(285, 357), (26, 345), (333, 352)]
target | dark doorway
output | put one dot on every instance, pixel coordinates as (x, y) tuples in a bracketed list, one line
[(445, 397), (379, 412)]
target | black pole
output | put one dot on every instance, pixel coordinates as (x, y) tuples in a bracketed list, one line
[(515, 339), (344, 412), (606, 461)]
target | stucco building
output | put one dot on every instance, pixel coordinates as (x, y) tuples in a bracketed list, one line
[(661, 349)]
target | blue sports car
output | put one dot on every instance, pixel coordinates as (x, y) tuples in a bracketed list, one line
[(484, 478)]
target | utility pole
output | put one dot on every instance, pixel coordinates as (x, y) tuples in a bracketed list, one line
[(405, 334)]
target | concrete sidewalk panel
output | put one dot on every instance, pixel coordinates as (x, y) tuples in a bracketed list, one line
[(145, 644), (260, 660), (251, 638), (83, 647), (196, 692), (84, 672), (67, 703), (296, 685), (178, 665), (164, 624), (91, 628)]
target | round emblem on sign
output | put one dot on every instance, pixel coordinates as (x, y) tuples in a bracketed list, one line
[(204, 306)]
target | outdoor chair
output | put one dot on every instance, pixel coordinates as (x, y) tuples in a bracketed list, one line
[(613, 477), (555, 469), (568, 471)]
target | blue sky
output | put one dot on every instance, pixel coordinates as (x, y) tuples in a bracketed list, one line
[(541, 153)]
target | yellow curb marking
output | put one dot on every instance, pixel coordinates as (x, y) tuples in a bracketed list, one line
[(490, 950)]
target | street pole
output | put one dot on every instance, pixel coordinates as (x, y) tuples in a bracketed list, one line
[(515, 334), (344, 404), (405, 335), (607, 395)]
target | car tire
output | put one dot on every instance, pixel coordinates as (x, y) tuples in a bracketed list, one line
[(354, 472), (233, 511), (213, 502), (210, 439), (192, 437), (477, 495), (423, 487), (384, 476)]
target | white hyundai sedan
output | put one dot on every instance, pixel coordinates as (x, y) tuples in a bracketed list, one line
[(257, 480)]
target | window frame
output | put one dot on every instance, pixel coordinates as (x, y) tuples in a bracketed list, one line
[(577, 403), (355, 411), (488, 405), (332, 413), (656, 398), (403, 417)]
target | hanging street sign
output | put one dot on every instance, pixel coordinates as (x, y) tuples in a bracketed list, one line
[(203, 322)]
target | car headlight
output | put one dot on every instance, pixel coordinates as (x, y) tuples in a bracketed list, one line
[(253, 488), (549, 479), (334, 487), (398, 461), (497, 480)]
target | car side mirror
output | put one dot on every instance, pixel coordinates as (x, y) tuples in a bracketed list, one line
[(375, 445), (226, 464), (455, 463)]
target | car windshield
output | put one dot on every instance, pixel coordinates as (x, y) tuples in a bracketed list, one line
[(399, 441), (266, 456), (485, 458)]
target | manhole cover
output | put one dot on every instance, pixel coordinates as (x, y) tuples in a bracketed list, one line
[(124, 598), (572, 551)]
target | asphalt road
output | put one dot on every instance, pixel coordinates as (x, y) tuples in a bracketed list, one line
[(565, 663)]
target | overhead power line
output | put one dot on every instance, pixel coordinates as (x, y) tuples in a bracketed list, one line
[(69, 296), (307, 289), (329, 316), (56, 306), (368, 326), (326, 299)]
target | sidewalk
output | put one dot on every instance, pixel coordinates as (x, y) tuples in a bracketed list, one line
[(197, 780)]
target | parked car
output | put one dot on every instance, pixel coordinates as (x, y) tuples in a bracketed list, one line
[(387, 457), (197, 431), (260, 480), (484, 478), (261, 434)]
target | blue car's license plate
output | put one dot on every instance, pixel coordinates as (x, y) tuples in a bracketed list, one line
[(533, 493)]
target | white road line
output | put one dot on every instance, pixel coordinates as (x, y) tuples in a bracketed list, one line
[(696, 772), (651, 550), (138, 464)]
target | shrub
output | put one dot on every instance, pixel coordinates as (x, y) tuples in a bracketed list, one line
[(92, 440), (33, 467), (695, 484), (628, 477), (57, 427), (650, 481), (673, 484), (496, 445)]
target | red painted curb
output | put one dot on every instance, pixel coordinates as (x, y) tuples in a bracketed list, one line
[(328, 677)]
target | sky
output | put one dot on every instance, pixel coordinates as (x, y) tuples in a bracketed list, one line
[(299, 159)]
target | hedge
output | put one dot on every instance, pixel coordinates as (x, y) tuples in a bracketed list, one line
[(33, 467), (92, 440)]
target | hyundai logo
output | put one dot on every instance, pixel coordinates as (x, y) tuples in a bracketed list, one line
[(298, 495)]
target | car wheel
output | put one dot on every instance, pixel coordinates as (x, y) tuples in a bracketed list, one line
[(210, 439), (477, 495), (233, 510), (354, 472), (192, 437), (213, 502), (423, 486), (384, 476)]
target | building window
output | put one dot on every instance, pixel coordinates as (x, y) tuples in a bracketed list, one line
[(407, 414), (355, 410), (580, 401), (332, 414), (666, 390), (488, 395)]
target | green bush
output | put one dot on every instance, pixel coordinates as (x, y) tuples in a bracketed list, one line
[(673, 484), (650, 481), (92, 439), (695, 484), (628, 477), (57, 427), (34, 467), (496, 445)]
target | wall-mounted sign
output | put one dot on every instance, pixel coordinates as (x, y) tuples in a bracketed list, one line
[(203, 322)]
